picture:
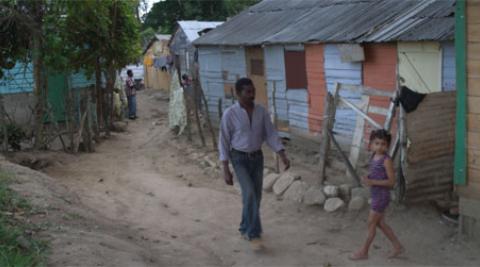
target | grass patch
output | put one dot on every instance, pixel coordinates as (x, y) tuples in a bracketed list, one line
[(17, 248)]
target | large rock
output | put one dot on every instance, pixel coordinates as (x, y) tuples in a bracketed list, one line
[(296, 191), (330, 191), (269, 181), (344, 191), (360, 192), (284, 182), (314, 196), (333, 204), (357, 203)]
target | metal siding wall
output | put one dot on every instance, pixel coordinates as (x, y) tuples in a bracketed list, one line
[(211, 78), (420, 66), (348, 73), (80, 80), (19, 79), (316, 86), (298, 109), (233, 62), (448, 66), (275, 74)]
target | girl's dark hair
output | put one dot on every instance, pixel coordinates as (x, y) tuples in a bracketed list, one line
[(241, 83), (381, 134), (129, 72)]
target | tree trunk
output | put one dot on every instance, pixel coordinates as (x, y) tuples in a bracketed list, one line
[(3, 120), (39, 90), (99, 91), (98, 98)]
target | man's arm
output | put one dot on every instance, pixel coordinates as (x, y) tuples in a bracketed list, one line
[(224, 148), (273, 141)]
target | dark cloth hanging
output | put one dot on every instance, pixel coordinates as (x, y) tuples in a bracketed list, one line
[(409, 99)]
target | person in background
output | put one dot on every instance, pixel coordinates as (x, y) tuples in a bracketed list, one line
[(244, 128), (381, 179), (131, 93)]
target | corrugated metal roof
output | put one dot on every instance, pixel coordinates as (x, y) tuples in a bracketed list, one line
[(192, 27), (161, 37), (302, 21)]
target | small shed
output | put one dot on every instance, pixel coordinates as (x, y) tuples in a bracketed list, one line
[(156, 57), (181, 45), (16, 88)]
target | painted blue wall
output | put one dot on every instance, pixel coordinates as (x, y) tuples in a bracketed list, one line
[(17, 80), (20, 80), (342, 72), (448, 66)]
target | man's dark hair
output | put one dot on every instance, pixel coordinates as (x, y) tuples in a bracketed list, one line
[(129, 72), (381, 134), (239, 85)]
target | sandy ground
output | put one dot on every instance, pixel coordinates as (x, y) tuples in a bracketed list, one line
[(144, 199)]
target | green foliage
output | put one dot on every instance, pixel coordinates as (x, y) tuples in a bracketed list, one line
[(165, 14), (146, 36), (15, 135), (15, 32), (16, 249)]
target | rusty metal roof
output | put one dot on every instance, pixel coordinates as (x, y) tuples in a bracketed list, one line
[(352, 21)]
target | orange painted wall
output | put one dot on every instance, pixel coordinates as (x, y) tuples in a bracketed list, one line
[(316, 85), (379, 72)]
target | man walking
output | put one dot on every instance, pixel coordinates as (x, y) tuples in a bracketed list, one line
[(244, 128), (131, 93)]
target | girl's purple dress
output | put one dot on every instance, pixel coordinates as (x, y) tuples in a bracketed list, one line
[(380, 194)]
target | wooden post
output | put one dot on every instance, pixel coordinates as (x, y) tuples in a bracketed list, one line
[(274, 121), (345, 159), (358, 134), (209, 122), (327, 125), (195, 97), (402, 162), (187, 106)]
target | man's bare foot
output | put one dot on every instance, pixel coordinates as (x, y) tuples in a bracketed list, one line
[(257, 244), (360, 255), (396, 252)]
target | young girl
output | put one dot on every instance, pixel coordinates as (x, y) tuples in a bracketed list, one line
[(381, 179)]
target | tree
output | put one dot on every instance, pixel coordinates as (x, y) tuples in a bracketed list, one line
[(104, 37), (96, 36), (165, 14)]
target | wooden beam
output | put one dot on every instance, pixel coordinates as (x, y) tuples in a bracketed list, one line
[(350, 168), (361, 113), (358, 134), (365, 90), (327, 125)]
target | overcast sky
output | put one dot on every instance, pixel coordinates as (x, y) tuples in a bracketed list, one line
[(150, 4)]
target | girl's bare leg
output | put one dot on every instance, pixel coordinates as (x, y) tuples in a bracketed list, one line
[(387, 230), (373, 220)]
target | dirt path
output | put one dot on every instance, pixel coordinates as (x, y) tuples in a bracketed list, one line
[(144, 201)]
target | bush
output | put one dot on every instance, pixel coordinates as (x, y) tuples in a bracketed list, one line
[(15, 135)]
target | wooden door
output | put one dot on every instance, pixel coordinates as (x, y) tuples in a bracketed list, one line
[(256, 72)]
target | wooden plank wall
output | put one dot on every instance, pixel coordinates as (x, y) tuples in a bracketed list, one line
[(431, 131), (473, 94)]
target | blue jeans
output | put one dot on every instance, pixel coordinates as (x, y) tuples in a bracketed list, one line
[(249, 172), (132, 106)]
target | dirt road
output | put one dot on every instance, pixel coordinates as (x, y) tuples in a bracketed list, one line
[(143, 200)]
